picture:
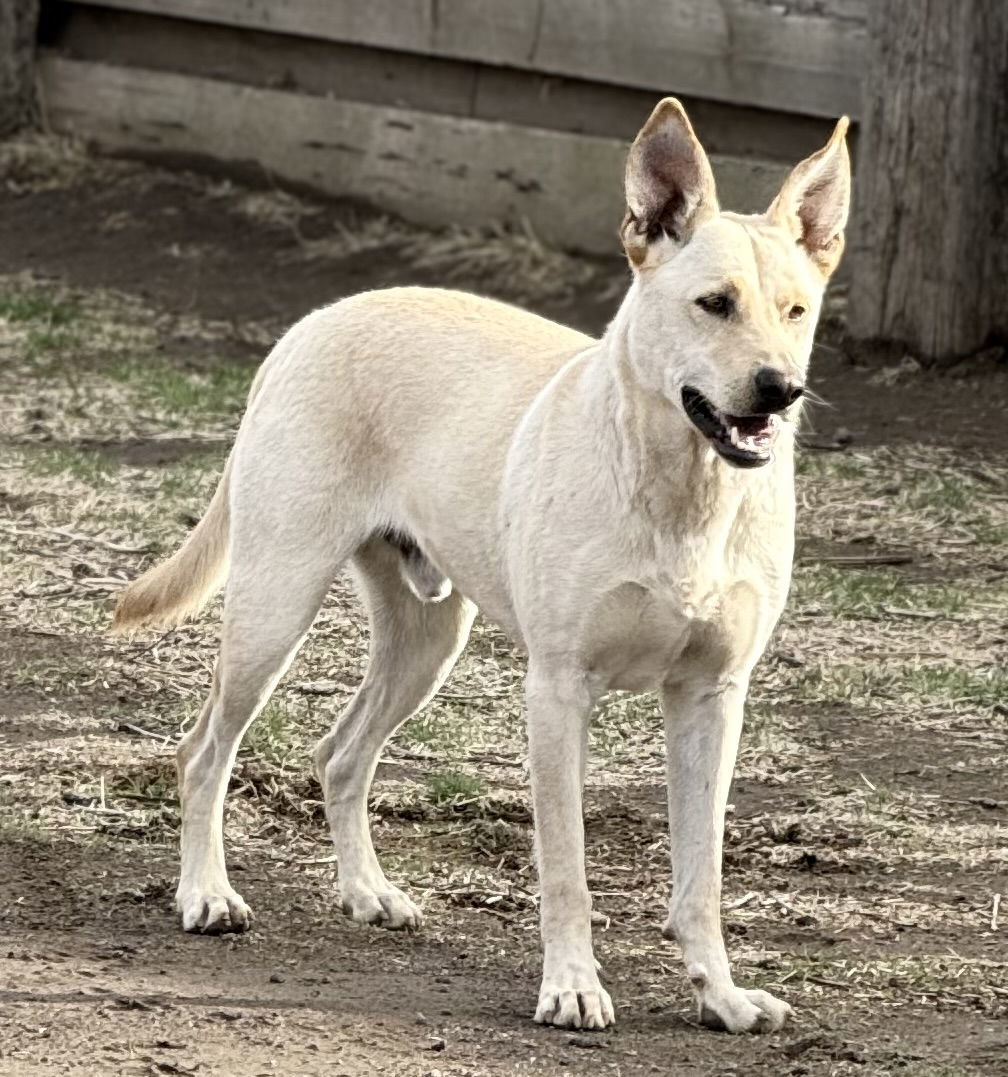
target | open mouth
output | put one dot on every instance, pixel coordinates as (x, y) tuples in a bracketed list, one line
[(742, 440)]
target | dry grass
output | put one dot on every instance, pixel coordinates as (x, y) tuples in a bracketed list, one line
[(507, 261), (510, 262), (36, 162), (870, 796), (512, 257)]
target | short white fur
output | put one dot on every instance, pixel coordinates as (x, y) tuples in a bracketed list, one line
[(558, 484)]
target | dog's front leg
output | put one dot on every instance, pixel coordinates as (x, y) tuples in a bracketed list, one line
[(559, 705), (702, 727)]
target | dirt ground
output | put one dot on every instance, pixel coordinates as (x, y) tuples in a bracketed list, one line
[(868, 838)]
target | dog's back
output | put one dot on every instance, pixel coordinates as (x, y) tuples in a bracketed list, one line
[(362, 406), (413, 396)]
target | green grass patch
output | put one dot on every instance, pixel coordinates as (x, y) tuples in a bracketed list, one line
[(195, 477), (869, 592), (988, 533), (958, 684), (51, 343), (454, 785), (819, 465), (21, 307), (88, 465), (956, 499), (271, 735), (52, 325), (949, 493), (860, 686), (156, 782), (429, 731), (220, 389), (46, 673)]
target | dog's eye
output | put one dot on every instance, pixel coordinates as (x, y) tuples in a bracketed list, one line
[(796, 313), (719, 304)]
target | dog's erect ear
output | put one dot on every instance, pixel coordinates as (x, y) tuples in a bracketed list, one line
[(669, 183), (813, 203)]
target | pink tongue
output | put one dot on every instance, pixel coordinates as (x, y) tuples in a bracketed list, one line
[(753, 426)]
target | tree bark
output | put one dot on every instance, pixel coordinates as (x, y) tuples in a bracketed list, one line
[(930, 247), (18, 102)]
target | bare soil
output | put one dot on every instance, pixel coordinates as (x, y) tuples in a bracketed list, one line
[(867, 839)]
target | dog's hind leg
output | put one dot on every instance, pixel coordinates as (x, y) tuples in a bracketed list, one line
[(284, 555), (414, 645)]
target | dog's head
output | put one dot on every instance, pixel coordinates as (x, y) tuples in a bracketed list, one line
[(725, 305)]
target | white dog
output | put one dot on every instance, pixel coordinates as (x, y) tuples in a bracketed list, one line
[(624, 508)]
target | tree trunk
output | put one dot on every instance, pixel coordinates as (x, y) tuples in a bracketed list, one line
[(18, 104), (930, 248)]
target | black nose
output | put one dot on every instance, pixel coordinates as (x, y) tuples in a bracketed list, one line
[(775, 390)]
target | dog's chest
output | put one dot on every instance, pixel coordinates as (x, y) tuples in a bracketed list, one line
[(630, 639), (638, 634)]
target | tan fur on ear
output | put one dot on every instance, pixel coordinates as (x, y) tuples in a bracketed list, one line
[(814, 202), (669, 183)]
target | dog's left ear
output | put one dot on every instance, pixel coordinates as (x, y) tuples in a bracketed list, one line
[(814, 201), (669, 183)]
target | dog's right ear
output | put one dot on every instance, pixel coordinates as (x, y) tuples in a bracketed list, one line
[(669, 183)]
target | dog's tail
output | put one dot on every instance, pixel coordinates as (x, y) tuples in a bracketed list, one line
[(167, 593)]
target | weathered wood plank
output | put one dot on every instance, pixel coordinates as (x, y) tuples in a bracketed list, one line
[(930, 241), (409, 80), (802, 57), (598, 108), (747, 51), (429, 168), (271, 61), (18, 104)]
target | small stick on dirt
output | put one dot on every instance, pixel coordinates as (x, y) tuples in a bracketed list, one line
[(924, 615), (462, 697), (855, 560), (91, 540), (994, 912), (128, 727), (743, 900), (403, 753), (493, 760), (785, 906), (823, 982), (317, 688)]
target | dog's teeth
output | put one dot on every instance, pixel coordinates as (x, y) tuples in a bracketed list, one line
[(735, 437)]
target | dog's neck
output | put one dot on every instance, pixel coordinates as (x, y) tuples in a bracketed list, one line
[(653, 451)]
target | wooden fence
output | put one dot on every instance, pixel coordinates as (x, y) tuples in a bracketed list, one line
[(457, 110)]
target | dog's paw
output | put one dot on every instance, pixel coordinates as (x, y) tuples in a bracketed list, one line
[(386, 906), (574, 1000), (213, 911), (736, 1009)]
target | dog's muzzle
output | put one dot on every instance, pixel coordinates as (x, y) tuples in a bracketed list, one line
[(742, 440)]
